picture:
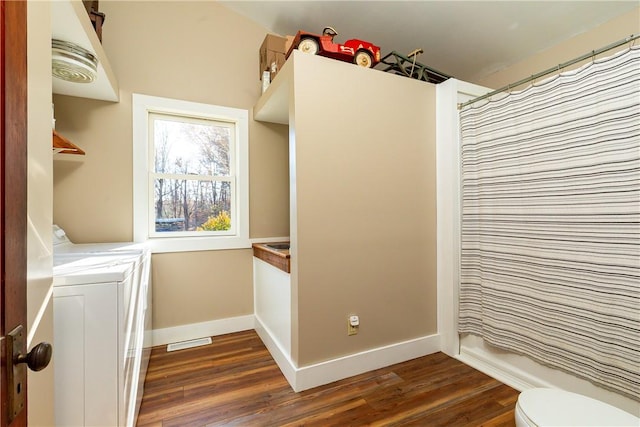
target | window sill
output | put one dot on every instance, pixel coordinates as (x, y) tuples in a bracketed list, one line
[(194, 244)]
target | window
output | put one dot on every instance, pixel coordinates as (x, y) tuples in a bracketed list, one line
[(190, 175)]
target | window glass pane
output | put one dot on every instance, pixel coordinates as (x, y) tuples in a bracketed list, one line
[(191, 146), (192, 205)]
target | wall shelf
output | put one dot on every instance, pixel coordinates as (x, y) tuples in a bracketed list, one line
[(70, 22), (273, 105), (62, 145)]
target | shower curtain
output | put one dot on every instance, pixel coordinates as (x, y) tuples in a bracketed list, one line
[(550, 249)]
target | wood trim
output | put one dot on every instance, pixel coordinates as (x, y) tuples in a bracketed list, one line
[(3, 362), (62, 145), (13, 182), (279, 259)]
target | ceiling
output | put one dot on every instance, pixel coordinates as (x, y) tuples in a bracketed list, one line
[(466, 39)]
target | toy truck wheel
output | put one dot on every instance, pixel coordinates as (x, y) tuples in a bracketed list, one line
[(363, 59), (309, 45)]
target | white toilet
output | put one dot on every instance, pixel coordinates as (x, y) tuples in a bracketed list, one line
[(539, 407)]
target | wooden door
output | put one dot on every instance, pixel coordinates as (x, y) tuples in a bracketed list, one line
[(13, 191)]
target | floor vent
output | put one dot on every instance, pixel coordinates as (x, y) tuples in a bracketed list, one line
[(189, 344)]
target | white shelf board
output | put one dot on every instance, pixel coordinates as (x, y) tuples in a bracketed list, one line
[(70, 22), (273, 105)]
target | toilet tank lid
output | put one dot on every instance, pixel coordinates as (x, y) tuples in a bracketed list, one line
[(552, 407)]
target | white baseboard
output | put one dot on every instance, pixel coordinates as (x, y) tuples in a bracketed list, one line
[(354, 364), (505, 373), (203, 329), (329, 371), (522, 373), (283, 360)]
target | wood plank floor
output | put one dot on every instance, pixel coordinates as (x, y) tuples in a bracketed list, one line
[(235, 382)]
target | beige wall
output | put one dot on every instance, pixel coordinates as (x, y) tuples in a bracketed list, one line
[(210, 55), (603, 35), (196, 51), (364, 206), (208, 284)]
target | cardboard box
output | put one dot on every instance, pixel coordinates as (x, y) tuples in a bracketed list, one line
[(272, 62), (273, 42), (288, 43), (272, 54)]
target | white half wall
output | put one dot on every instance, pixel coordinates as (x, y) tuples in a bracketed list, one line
[(272, 301)]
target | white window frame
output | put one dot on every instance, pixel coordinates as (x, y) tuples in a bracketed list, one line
[(143, 105)]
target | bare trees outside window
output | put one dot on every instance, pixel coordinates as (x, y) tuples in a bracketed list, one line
[(193, 173)]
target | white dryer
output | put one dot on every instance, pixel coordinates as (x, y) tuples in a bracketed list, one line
[(102, 325)]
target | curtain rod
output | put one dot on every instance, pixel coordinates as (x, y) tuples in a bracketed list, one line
[(557, 68)]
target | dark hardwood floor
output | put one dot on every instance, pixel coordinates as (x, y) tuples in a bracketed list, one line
[(235, 382)]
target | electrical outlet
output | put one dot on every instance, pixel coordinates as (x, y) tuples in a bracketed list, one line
[(353, 323), (351, 330)]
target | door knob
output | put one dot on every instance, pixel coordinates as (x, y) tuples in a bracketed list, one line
[(38, 358)]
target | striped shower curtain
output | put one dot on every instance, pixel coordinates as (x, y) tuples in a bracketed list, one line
[(550, 258)]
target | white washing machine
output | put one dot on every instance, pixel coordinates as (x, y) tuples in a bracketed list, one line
[(102, 325)]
